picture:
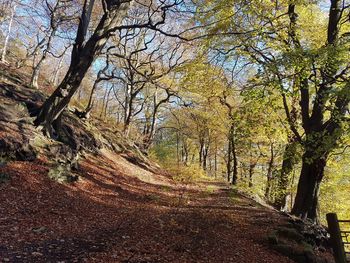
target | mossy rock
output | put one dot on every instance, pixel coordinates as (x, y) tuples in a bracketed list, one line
[(4, 178), (285, 249), (297, 254), (62, 174), (290, 233), (293, 244), (273, 238), (27, 153), (307, 247)]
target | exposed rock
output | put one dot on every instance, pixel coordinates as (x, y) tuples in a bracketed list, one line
[(4, 178), (299, 240), (26, 153), (39, 230), (37, 254)]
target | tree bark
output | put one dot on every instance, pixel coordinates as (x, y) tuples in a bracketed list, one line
[(270, 173), (234, 156), (54, 80), (205, 155), (89, 105), (290, 158), (251, 173), (216, 161), (7, 38), (306, 200), (229, 160)]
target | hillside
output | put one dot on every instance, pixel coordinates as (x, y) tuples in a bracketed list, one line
[(97, 198)]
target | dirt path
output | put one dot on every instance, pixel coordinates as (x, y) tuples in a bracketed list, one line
[(108, 217)]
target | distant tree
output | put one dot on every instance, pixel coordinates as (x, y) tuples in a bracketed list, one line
[(12, 6), (57, 15)]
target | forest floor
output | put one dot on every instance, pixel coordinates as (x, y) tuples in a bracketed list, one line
[(123, 208), (118, 212)]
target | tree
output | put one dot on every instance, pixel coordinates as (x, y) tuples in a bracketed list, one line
[(323, 123), (13, 7), (320, 73), (57, 15), (84, 52)]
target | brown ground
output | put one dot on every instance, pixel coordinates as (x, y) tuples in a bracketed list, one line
[(109, 216)]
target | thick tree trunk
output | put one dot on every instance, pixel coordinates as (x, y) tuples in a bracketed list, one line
[(290, 158), (57, 102), (306, 200)]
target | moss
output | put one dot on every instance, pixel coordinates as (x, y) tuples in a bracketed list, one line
[(166, 188), (62, 174), (273, 238), (307, 247), (290, 233), (153, 197), (40, 141), (210, 189), (4, 178)]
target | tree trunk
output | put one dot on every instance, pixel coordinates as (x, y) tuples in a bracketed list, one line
[(229, 160), (200, 152), (128, 108), (290, 158), (216, 161), (269, 173), (7, 38), (306, 200), (107, 103), (35, 76), (54, 79), (205, 156), (252, 165), (89, 105), (251, 173), (234, 156)]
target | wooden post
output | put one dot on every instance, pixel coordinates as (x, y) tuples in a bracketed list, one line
[(336, 238)]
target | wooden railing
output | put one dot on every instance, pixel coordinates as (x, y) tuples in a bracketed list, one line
[(340, 237)]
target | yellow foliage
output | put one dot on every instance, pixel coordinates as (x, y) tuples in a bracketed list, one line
[(186, 174)]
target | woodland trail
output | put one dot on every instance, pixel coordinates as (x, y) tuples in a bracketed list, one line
[(110, 218)]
